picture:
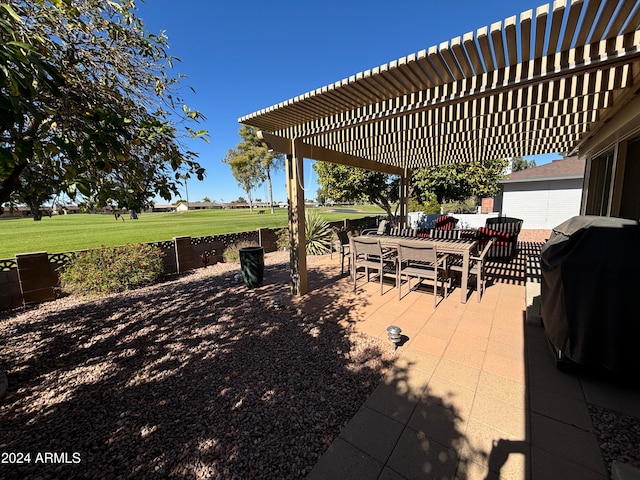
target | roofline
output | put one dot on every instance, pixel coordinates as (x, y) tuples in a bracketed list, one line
[(542, 179)]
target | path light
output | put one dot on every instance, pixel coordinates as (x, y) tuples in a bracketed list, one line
[(275, 301), (394, 335)]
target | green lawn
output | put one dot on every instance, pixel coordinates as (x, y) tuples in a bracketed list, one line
[(80, 231)]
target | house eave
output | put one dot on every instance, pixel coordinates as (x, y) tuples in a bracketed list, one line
[(543, 179)]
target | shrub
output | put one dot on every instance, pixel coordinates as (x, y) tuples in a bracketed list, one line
[(282, 238), (112, 269), (318, 232), (465, 206), (232, 252)]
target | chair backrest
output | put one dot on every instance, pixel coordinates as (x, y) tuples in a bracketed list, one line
[(417, 253), (446, 222), (403, 232), (343, 236), (366, 246), (382, 227), (447, 234), (504, 224)]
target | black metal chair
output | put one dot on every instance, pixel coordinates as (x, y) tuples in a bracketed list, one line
[(344, 249)]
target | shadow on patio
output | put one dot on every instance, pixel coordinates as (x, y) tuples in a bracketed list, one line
[(474, 394)]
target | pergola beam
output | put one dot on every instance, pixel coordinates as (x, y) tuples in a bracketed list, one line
[(284, 145)]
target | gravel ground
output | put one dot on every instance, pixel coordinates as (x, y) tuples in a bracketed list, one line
[(618, 435), (194, 378)]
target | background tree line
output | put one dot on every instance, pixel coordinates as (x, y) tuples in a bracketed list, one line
[(430, 187)]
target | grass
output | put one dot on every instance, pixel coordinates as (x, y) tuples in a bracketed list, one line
[(66, 233)]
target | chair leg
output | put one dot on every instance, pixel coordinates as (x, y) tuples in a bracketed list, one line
[(480, 283), (435, 290), (355, 274)]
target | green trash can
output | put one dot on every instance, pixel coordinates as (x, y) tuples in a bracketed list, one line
[(252, 266)]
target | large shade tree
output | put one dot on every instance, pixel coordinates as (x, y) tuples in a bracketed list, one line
[(251, 163), (88, 101), (347, 184), (458, 181)]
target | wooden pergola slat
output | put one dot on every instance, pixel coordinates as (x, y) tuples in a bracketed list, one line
[(526, 85)]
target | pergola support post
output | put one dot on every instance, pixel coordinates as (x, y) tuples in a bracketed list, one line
[(404, 198), (297, 236)]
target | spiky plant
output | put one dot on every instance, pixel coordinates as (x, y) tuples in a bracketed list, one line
[(318, 234)]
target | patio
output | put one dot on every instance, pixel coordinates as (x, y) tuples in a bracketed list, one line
[(474, 393)]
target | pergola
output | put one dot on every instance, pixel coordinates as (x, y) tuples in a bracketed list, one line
[(543, 82)]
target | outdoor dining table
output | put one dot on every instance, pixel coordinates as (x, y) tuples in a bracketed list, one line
[(462, 248)]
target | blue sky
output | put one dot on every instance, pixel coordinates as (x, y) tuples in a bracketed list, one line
[(242, 56)]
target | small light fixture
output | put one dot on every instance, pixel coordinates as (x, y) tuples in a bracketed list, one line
[(275, 302), (394, 332)]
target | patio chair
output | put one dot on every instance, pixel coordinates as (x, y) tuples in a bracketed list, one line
[(368, 254), (476, 267), (422, 262), (446, 222), (344, 249), (381, 230), (403, 232), (505, 230)]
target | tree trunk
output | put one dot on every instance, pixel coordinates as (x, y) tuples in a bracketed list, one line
[(35, 211), (250, 200), (386, 206), (270, 190)]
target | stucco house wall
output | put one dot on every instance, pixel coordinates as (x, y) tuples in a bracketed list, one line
[(544, 196), (542, 205)]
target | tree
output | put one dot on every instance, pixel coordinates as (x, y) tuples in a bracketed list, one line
[(86, 94), (349, 184), (458, 181), (37, 190), (246, 171), (519, 163), (206, 200), (251, 163)]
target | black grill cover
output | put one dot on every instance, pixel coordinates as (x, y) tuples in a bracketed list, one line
[(590, 293)]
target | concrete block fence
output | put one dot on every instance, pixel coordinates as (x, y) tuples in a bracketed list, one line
[(32, 277)]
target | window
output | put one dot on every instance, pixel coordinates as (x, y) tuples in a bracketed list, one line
[(599, 185), (630, 199)]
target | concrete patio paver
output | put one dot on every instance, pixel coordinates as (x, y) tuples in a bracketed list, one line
[(474, 393)]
